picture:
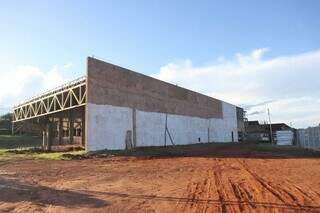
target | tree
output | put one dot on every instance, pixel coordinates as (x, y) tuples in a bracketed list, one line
[(7, 116)]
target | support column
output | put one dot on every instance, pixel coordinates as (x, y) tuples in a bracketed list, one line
[(60, 129), (44, 138), (49, 135), (83, 129), (44, 126), (12, 128), (134, 128), (71, 127)]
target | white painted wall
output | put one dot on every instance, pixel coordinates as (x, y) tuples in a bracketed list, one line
[(108, 125), (183, 129), (187, 130), (220, 129)]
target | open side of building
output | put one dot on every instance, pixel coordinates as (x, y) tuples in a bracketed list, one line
[(115, 108)]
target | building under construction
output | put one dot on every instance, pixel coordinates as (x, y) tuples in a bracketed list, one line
[(115, 108)]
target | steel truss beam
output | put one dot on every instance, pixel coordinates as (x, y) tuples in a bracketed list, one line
[(67, 96)]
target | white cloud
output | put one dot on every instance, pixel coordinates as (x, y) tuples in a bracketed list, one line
[(291, 82), (27, 81)]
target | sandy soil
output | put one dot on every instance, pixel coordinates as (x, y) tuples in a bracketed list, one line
[(202, 179)]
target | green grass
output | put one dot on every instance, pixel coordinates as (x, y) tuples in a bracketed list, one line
[(25, 154), (28, 148)]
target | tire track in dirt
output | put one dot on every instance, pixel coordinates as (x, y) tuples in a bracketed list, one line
[(244, 197), (206, 195), (213, 193), (303, 192), (220, 189), (198, 194), (212, 190), (208, 192), (281, 193), (314, 198), (272, 189), (187, 201)]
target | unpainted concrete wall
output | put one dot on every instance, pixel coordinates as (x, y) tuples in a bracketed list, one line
[(108, 84)]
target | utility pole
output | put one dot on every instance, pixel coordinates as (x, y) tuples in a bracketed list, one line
[(271, 136)]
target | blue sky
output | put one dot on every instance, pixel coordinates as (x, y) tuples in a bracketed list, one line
[(51, 39)]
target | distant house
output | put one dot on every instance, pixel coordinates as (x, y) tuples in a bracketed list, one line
[(282, 134), (256, 132)]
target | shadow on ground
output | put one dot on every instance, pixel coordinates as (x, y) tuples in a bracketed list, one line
[(13, 191)]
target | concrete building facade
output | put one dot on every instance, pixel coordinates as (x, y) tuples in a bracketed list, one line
[(123, 109)]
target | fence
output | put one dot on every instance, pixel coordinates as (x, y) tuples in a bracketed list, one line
[(309, 138)]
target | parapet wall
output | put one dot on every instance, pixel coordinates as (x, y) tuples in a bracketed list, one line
[(116, 86)]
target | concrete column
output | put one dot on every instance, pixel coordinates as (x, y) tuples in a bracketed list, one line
[(12, 128), (71, 127), (44, 127), (83, 129), (134, 128), (60, 129), (49, 135), (44, 139)]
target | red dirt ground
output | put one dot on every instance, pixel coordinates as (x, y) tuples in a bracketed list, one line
[(202, 178)]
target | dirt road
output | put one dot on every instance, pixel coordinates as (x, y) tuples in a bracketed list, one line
[(202, 179)]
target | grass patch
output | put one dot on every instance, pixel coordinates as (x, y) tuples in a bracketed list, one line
[(29, 154), (26, 147)]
